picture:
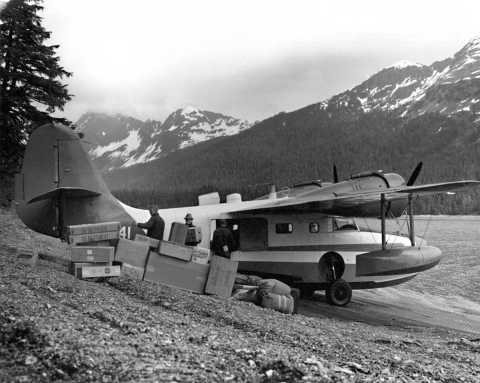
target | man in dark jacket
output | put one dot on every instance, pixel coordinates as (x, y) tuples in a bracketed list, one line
[(222, 242), (189, 223), (155, 225)]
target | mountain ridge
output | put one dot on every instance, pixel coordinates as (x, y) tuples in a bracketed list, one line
[(117, 141), (415, 89), (401, 115)]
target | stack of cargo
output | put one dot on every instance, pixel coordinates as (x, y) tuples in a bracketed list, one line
[(177, 265), (190, 268), (95, 232), (90, 250), (170, 263)]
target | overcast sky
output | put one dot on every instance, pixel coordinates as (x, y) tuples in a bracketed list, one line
[(247, 59)]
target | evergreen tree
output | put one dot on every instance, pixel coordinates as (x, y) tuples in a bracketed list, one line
[(29, 87)]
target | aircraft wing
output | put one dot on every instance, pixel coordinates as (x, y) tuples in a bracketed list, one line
[(326, 200), (391, 194)]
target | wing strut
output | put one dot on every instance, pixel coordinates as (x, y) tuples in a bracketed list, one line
[(382, 217), (410, 213)]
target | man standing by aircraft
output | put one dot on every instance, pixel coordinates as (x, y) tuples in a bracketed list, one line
[(223, 243), (155, 225), (189, 223)]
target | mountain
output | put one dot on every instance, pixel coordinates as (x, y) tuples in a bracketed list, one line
[(116, 141), (402, 115), (405, 89), (410, 89)]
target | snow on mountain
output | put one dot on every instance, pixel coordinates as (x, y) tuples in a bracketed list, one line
[(449, 86), (405, 64), (116, 141), (406, 88)]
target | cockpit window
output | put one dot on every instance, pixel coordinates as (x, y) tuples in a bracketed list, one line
[(344, 224)]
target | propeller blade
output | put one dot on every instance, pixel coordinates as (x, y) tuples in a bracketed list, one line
[(415, 174), (335, 175)]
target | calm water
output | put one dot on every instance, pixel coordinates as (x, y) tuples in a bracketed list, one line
[(458, 274)]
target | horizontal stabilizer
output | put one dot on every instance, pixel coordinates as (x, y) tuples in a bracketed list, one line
[(67, 192)]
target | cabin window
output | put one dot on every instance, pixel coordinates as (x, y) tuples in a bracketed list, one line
[(283, 228), (314, 227), (253, 234)]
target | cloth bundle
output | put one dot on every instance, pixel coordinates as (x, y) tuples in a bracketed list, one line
[(271, 294)]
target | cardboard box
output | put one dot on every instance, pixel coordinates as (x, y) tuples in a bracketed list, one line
[(132, 271), (143, 238), (194, 234), (178, 233), (132, 252), (26, 257), (75, 266), (175, 250), (71, 239), (93, 228), (92, 254), (221, 277), (190, 276), (201, 255), (98, 271)]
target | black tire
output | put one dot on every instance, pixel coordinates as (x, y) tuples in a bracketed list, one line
[(338, 293)]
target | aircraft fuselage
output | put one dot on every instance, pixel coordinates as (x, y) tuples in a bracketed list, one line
[(298, 248)]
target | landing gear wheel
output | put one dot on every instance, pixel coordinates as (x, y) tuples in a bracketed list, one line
[(338, 293)]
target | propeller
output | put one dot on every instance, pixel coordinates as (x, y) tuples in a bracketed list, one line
[(335, 175), (415, 174)]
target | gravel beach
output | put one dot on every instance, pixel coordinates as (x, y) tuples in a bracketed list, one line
[(55, 327)]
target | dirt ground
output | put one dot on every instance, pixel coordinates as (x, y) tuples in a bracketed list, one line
[(55, 327)]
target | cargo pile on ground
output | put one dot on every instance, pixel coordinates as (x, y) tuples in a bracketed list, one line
[(97, 250), (55, 327)]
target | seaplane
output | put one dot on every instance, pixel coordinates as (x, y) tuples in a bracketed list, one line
[(305, 236)]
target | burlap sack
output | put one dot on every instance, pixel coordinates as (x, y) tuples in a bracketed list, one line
[(281, 303), (275, 287)]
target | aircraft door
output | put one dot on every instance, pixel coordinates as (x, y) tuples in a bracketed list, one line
[(253, 234), (250, 234)]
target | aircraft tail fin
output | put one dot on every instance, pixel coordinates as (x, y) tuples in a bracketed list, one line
[(59, 185)]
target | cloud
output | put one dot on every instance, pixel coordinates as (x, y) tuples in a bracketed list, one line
[(248, 59)]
